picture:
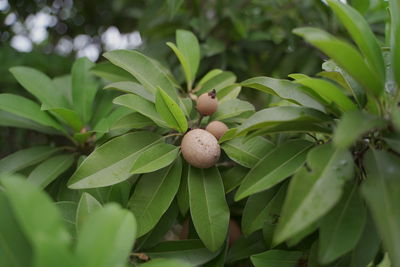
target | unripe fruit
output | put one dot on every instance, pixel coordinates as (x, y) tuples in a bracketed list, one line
[(207, 103), (217, 128), (200, 148)]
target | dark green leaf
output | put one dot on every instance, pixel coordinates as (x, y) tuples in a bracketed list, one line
[(233, 177), (10, 120), (244, 247), (111, 73), (273, 258), (132, 87), (132, 121), (394, 7), (231, 108)]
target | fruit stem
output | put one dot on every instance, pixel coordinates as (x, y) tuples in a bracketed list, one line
[(200, 119)]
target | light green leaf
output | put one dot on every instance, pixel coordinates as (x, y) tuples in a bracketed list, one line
[(165, 262), (362, 35), (284, 89), (247, 152), (209, 75), (394, 7), (69, 117), (146, 70), (68, 212), (27, 109), (233, 177), (312, 194), (110, 163), (184, 62), (228, 93), (381, 190), (84, 88), (191, 251), (87, 205), (154, 158), (117, 228), (228, 135), (141, 105), (217, 82), (50, 169), (39, 85), (10, 120), (274, 167), (25, 158), (346, 56), (274, 258), (353, 125), (270, 117), (342, 227), (182, 196), (41, 222), (190, 48), (64, 84), (132, 87), (208, 207), (170, 111), (328, 91), (132, 121), (231, 108), (111, 73), (153, 195)]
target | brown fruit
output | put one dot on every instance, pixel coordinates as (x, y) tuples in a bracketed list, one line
[(200, 148), (217, 128), (207, 103)]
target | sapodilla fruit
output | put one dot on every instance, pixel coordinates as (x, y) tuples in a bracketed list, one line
[(217, 128), (207, 103), (200, 148)]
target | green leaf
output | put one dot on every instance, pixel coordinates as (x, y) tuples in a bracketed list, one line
[(231, 108), (184, 62), (39, 85), (165, 262), (182, 196), (69, 117), (353, 125), (111, 73), (342, 227), (110, 163), (68, 212), (15, 249), (281, 258), (87, 205), (328, 91), (41, 222), (274, 167), (346, 56), (217, 82), (190, 48), (191, 251), (284, 89), (132, 121), (394, 7), (247, 152), (132, 87), (362, 35), (233, 177), (208, 207), (312, 194), (50, 169), (228, 93), (141, 105), (84, 88), (244, 247), (117, 228), (154, 158), (170, 111), (146, 70), (27, 109), (153, 195), (25, 158), (279, 115), (381, 192), (228, 135), (209, 75)]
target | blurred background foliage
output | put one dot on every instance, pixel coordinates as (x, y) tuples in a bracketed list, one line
[(248, 37)]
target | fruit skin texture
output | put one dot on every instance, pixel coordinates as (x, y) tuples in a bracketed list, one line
[(200, 148), (217, 128), (207, 104)]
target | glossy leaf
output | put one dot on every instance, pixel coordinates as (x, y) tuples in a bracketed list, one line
[(110, 163), (155, 158), (170, 111), (342, 227), (381, 191), (190, 49), (208, 207), (118, 230), (272, 258), (87, 205), (25, 157), (182, 195), (362, 35), (39, 85), (110, 72), (283, 88), (132, 87), (274, 167), (353, 125), (50, 169), (27, 109), (233, 177), (217, 82), (153, 195), (346, 56), (229, 92), (209, 75), (231, 108), (285, 114), (132, 121), (68, 116), (313, 194), (247, 152), (141, 105)]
